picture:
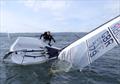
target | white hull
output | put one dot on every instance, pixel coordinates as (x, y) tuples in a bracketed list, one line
[(27, 51), (22, 60)]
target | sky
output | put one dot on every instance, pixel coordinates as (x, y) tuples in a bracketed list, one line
[(55, 15)]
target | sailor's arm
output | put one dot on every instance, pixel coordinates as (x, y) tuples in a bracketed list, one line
[(41, 36), (53, 39)]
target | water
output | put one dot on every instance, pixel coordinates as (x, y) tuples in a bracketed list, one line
[(105, 70)]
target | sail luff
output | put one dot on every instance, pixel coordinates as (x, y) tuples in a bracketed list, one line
[(93, 45)]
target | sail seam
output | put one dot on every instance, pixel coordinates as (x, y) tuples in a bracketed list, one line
[(113, 36), (88, 52)]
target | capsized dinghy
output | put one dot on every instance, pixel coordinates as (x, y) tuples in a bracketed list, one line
[(28, 50)]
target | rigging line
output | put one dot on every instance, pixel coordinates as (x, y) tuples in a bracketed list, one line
[(9, 53), (34, 56), (23, 57), (78, 37), (104, 24), (94, 29), (8, 36)]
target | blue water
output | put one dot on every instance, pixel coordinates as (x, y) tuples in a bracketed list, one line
[(105, 70)]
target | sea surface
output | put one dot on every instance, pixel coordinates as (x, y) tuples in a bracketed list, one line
[(105, 70)]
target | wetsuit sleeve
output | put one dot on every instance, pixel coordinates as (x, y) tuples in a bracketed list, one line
[(41, 36), (53, 39)]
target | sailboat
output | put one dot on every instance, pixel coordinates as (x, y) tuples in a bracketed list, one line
[(28, 50)]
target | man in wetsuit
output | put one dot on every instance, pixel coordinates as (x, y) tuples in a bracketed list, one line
[(47, 37)]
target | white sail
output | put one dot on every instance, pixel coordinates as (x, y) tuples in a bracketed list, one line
[(89, 48), (27, 43)]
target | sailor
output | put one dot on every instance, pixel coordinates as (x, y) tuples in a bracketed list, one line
[(47, 37)]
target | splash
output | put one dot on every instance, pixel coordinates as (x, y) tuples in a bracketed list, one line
[(61, 66)]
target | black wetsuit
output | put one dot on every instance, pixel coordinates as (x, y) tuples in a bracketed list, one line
[(47, 38)]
